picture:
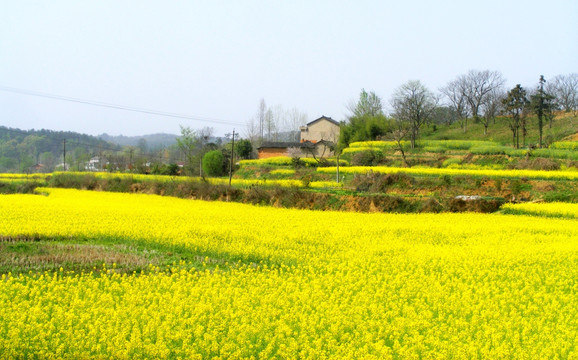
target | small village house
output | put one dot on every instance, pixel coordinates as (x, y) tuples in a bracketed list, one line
[(324, 128), (316, 138)]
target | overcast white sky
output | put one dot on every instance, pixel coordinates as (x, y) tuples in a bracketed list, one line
[(217, 59)]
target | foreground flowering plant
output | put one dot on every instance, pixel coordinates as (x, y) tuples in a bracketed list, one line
[(292, 283)]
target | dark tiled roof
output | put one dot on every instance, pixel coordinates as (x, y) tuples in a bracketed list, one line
[(323, 117), (276, 144)]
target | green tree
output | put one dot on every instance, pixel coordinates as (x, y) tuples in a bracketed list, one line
[(366, 122), (193, 144), (8, 164), (369, 104), (26, 161), (244, 149), (48, 160), (514, 104), (542, 104), (214, 163), (188, 142)]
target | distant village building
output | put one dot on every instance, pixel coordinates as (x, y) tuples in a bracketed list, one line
[(316, 139), (324, 128), (95, 164), (272, 149)]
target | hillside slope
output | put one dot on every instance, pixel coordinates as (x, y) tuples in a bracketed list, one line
[(564, 125)]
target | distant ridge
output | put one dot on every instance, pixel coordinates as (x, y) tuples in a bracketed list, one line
[(152, 141)]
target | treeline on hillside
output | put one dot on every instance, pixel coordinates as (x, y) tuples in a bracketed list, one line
[(477, 99), (195, 152), (27, 151), (22, 149), (152, 142)]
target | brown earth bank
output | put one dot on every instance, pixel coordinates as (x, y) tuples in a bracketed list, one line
[(397, 193)]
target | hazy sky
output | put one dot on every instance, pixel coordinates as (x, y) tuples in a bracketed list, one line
[(217, 59)]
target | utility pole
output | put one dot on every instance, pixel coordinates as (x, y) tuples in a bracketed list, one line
[(100, 156), (64, 152), (130, 162), (337, 166), (232, 157), (203, 139)]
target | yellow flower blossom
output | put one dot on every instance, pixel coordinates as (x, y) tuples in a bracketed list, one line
[(295, 283)]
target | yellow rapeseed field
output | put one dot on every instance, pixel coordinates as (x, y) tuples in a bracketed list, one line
[(554, 209), (426, 171), (4, 176), (293, 283)]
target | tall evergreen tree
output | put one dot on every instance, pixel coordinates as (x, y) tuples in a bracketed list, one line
[(514, 104), (542, 103)]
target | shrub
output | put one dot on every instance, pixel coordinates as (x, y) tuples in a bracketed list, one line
[(214, 163), (557, 154), (431, 205), (479, 205), (117, 184), (451, 161), (170, 169), (434, 149), (447, 180), (367, 158), (535, 164), (257, 195), (379, 183), (498, 184), (488, 150), (297, 162)]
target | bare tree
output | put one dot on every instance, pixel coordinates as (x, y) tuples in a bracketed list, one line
[(269, 124), (491, 108), (261, 116), (476, 86), (252, 131), (397, 136), (413, 104), (456, 101), (565, 89), (277, 121), (293, 120)]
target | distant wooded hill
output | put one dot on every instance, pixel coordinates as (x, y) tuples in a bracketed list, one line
[(21, 149), (145, 142)]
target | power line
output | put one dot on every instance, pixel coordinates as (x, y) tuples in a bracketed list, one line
[(116, 106)]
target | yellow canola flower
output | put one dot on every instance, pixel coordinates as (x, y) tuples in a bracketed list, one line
[(282, 172), (287, 161), (564, 145), (530, 174), (302, 284), (9, 176), (554, 209), (448, 144)]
